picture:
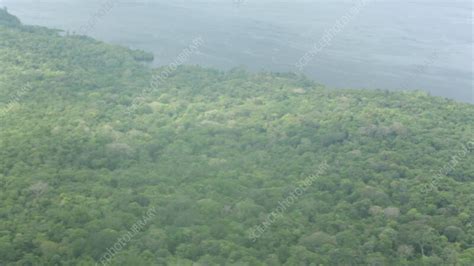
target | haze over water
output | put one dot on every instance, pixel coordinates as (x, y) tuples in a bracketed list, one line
[(389, 45)]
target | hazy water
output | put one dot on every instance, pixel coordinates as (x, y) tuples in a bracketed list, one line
[(390, 44)]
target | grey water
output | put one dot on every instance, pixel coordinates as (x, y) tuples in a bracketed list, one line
[(388, 44)]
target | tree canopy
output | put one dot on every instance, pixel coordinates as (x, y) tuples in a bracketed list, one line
[(207, 155)]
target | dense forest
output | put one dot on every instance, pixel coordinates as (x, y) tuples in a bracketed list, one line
[(220, 168)]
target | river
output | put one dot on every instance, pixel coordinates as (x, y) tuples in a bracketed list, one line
[(386, 44)]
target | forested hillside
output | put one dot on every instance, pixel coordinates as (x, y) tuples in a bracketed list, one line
[(195, 170)]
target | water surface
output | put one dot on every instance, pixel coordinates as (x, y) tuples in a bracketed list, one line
[(389, 44)]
